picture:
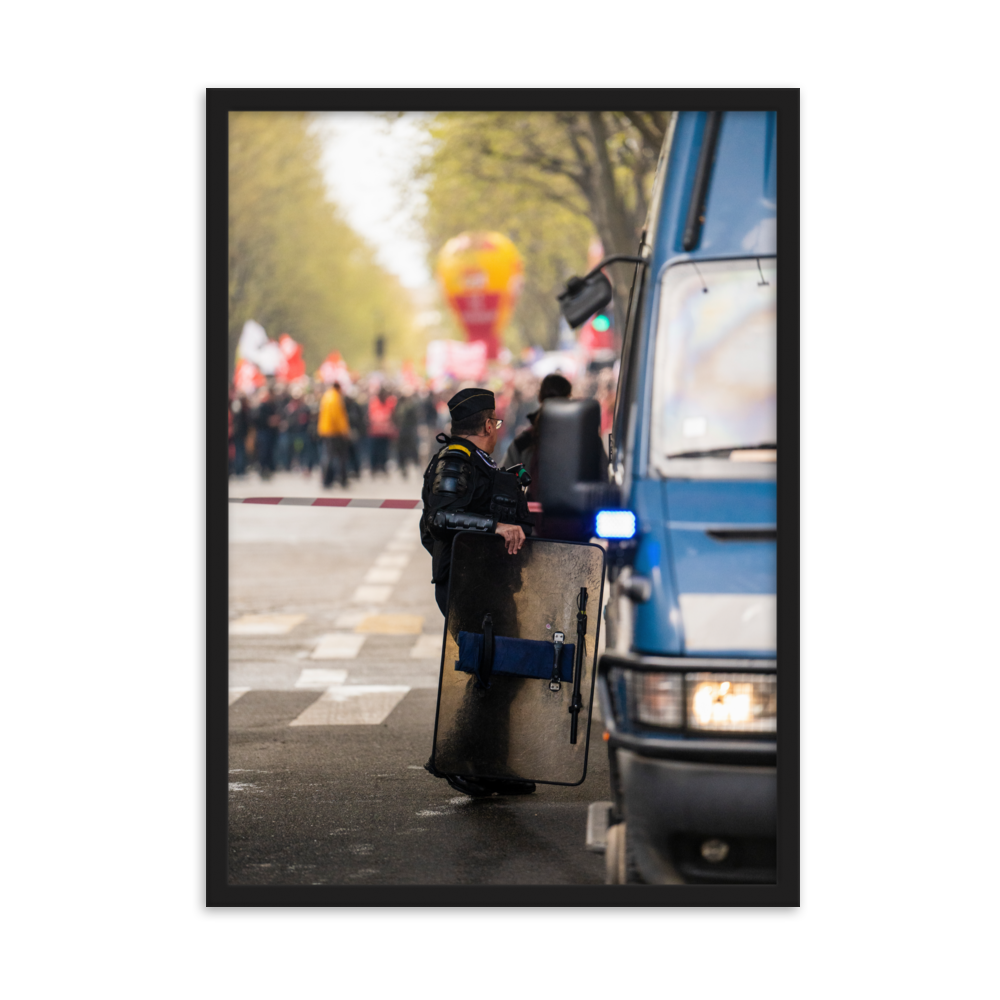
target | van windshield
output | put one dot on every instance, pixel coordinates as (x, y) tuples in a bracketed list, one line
[(716, 360)]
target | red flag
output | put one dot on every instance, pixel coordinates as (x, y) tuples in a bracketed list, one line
[(247, 376), (292, 365), (333, 370)]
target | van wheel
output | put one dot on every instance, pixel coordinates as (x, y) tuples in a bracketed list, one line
[(615, 869), (619, 861)]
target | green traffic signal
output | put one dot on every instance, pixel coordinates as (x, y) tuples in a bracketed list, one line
[(600, 322)]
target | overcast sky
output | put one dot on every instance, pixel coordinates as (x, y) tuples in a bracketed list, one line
[(366, 163)]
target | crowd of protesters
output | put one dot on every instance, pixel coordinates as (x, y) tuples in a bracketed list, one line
[(373, 424)]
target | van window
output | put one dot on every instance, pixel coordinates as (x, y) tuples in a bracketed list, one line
[(714, 391)]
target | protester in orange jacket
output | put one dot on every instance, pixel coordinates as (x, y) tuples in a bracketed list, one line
[(381, 429)]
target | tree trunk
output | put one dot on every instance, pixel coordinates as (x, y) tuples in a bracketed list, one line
[(619, 228)]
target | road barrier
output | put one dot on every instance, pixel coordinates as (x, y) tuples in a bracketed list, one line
[(535, 508)]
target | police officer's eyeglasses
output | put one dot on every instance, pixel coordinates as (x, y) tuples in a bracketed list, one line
[(499, 423)]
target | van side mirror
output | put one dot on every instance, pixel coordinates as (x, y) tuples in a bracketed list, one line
[(572, 480), (584, 297)]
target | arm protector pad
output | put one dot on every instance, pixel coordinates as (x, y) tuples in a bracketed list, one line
[(452, 476), (460, 520)]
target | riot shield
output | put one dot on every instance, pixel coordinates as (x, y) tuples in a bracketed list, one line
[(519, 655)]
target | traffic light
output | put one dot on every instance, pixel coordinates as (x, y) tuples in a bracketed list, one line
[(600, 322)]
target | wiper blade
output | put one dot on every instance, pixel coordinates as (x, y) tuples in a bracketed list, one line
[(725, 452)]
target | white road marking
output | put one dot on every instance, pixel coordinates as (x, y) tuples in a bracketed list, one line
[(371, 594), (427, 647), (729, 621), (236, 693), (338, 646), (352, 705), (399, 545), (265, 624), (391, 561), (379, 575), (320, 678)]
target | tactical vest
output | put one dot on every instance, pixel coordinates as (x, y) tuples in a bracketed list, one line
[(470, 493)]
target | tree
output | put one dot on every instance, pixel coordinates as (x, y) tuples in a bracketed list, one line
[(555, 175), (294, 264)]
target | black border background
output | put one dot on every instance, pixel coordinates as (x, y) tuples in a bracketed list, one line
[(219, 103)]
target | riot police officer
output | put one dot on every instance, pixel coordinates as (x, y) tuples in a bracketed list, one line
[(464, 490)]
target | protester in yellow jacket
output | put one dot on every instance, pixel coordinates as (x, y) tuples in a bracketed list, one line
[(333, 414), (333, 428)]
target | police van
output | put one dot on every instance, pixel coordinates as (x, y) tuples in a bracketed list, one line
[(688, 680)]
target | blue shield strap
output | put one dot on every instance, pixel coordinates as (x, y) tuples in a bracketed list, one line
[(520, 657)]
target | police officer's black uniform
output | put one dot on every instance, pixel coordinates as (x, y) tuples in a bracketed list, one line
[(464, 490)]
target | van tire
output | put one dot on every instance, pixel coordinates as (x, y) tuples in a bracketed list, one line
[(615, 865), (619, 858)]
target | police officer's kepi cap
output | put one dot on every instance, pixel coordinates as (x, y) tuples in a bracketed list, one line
[(463, 404)]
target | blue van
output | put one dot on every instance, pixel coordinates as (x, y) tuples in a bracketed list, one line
[(688, 680)]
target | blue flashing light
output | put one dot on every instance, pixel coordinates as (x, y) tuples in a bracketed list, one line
[(615, 524)]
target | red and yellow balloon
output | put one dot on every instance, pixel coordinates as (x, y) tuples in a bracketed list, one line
[(481, 275)]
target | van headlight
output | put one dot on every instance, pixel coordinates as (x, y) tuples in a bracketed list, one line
[(658, 699), (732, 703), (703, 702)]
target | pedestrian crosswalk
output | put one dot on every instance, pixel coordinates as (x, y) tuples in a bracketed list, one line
[(352, 630), (315, 678), (363, 657), (352, 705), (338, 646)]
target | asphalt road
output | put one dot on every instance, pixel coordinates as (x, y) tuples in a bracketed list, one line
[(335, 644)]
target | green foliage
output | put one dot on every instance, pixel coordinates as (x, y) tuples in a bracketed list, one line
[(294, 264), (467, 190), (549, 181)]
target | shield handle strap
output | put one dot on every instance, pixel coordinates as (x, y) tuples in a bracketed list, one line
[(576, 703), (486, 663), (555, 683)]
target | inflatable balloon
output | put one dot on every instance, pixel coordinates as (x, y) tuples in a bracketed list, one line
[(481, 275)]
